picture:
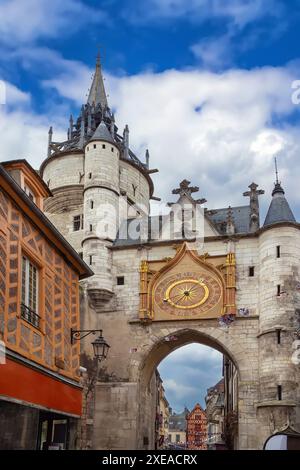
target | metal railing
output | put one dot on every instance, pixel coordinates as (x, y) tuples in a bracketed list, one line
[(30, 316)]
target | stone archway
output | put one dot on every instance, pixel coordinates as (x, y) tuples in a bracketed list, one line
[(155, 348)]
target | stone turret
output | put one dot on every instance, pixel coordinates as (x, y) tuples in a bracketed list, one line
[(279, 210), (279, 259), (101, 201), (87, 173)]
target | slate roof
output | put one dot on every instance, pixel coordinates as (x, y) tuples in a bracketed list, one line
[(97, 93), (241, 219), (177, 421), (102, 133), (146, 229), (279, 210)]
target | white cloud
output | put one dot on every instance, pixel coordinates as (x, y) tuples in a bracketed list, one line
[(220, 131), (25, 21), (194, 354), (11, 95), (238, 12), (214, 53), (24, 134), (179, 389), (188, 372)]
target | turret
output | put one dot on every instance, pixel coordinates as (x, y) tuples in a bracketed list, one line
[(279, 258), (86, 174), (101, 201)]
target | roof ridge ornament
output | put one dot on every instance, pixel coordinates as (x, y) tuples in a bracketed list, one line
[(254, 205), (230, 228), (277, 186), (186, 190)]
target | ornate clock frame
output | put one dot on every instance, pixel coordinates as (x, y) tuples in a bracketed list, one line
[(187, 286)]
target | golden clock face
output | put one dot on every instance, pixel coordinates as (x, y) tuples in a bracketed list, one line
[(187, 294)]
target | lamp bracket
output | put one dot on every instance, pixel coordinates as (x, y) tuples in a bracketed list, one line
[(78, 335)]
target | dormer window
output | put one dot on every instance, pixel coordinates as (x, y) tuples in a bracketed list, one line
[(29, 193)]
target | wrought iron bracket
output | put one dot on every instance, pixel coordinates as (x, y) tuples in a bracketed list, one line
[(78, 335)]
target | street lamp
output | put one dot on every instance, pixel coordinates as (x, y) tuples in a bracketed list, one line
[(100, 347)]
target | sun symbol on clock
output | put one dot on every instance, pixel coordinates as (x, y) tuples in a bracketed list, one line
[(187, 293)]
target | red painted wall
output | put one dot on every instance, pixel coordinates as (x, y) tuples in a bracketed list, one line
[(23, 383)]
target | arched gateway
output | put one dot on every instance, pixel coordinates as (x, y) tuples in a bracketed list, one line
[(236, 289)]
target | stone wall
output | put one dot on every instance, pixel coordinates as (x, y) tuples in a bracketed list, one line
[(135, 185), (64, 170)]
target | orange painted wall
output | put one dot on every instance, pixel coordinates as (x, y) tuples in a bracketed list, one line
[(23, 383), (48, 345)]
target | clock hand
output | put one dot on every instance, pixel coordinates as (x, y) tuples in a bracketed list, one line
[(176, 303), (176, 295), (171, 298), (193, 286)]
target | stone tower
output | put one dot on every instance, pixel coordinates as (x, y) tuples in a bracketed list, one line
[(279, 254), (95, 177)]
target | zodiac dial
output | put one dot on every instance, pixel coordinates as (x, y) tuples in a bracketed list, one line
[(187, 293)]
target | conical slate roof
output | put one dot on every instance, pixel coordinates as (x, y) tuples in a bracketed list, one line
[(279, 210), (102, 133), (97, 93)]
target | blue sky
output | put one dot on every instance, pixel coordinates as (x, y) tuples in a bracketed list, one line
[(206, 85), (207, 82)]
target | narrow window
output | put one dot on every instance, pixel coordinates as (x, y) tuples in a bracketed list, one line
[(29, 292), (278, 251), (91, 260), (251, 271), (92, 204), (279, 392), (88, 148), (95, 146), (278, 336), (278, 290), (112, 149), (91, 228), (120, 281), (103, 146), (77, 223), (90, 175), (29, 193)]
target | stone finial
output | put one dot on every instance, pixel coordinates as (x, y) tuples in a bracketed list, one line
[(186, 190), (82, 129), (254, 205), (112, 125), (230, 228), (147, 157), (50, 134), (89, 120), (126, 136), (126, 139)]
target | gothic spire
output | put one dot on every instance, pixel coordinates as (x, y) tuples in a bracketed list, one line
[(97, 93)]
